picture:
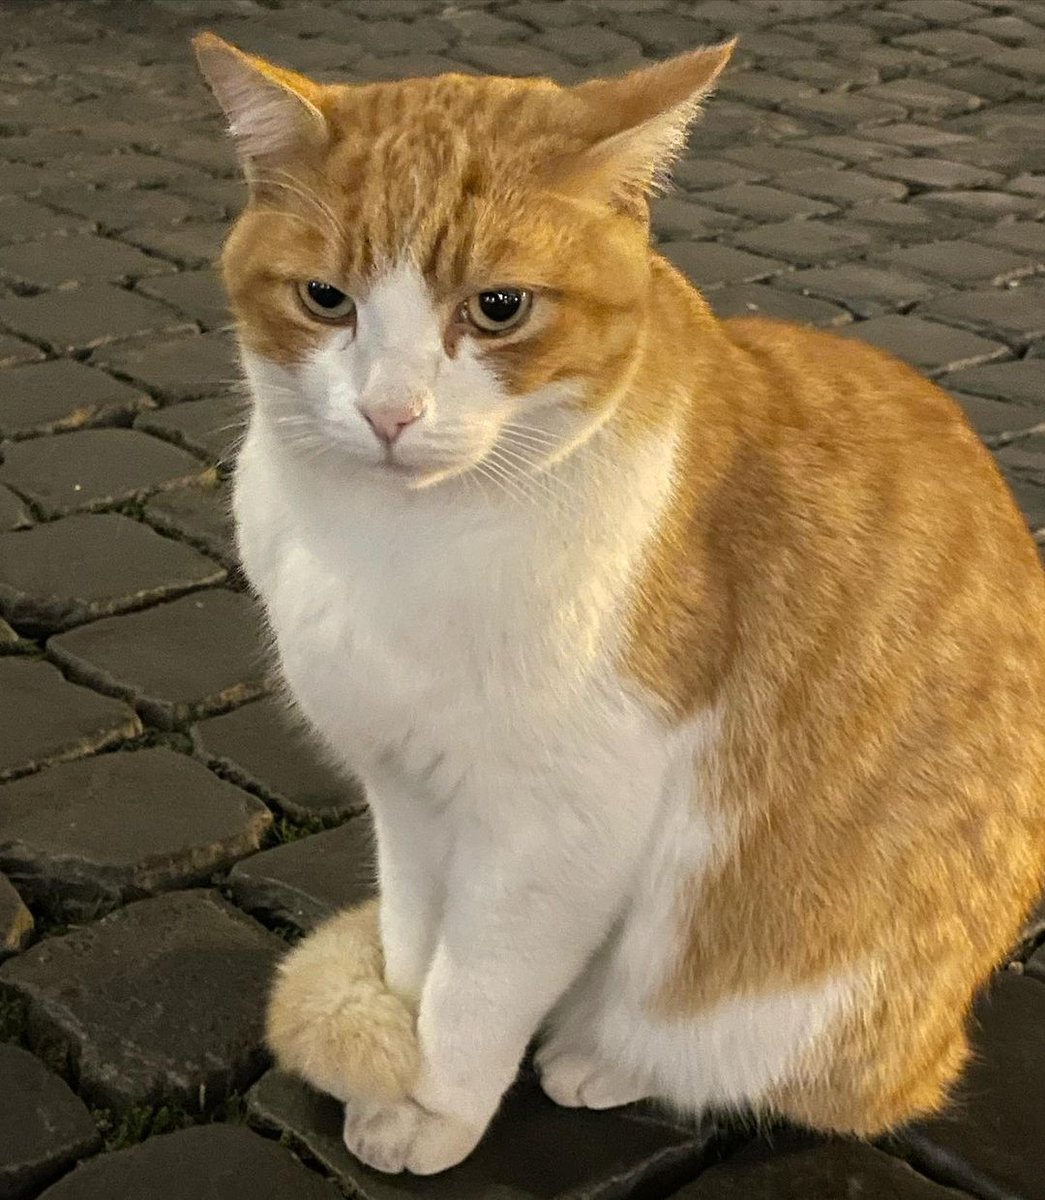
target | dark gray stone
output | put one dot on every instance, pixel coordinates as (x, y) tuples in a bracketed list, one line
[(192, 245), (1022, 382), (174, 662), (197, 294), (94, 469), (266, 747), (675, 218), (303, 882), (997, 421), (710, 265), (208, 1162), (81, 838), (759, 300), (764, 203), (775, 160), (1025, 237), (199, 515), (1024, 457), (934, 349), (590, 46), (13, 512), (13, 351), (844, 110), (919, 137), (800, 1167), (933, 172), (161, 1001), (182, 368), (841, 187), (45, 719), (865, 290), (1016, 313), (986, 1141), (961, 262), (118, 210), (63, 573), (979, 205), (44, 1128), (534, 1150), (28, 221), (87, 316), (924, 96), (49, 397), (77, 260), (849, 149), (804, 243), (518, 60), (699, 174), (211, 427), (16, 928)]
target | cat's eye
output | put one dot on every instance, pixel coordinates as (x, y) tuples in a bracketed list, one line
[(325, 301), (499, 309)]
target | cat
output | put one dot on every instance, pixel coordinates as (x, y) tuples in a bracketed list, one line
[(695, 669)]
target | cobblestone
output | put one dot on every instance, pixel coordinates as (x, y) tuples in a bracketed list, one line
[(875, 167), (81, 838), (216, 1162), (44, 1128), (178, 369), (87, 316), (51, 397), (45, 719), (13, 512), (305, 881), (209, 427), (201, 516), (1017, 314), (75, 260), (263, 747), (139, 1007), (93, 469), (64, 573), (174, 662), (583, 1155), (934, 349), (801, 1168)]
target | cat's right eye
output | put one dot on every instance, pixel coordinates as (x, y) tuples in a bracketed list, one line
[(326, 302)]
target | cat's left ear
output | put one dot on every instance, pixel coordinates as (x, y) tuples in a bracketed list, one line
[(640, 122), (272, 112)]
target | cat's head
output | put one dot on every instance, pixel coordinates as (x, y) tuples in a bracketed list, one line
[(437, 271)]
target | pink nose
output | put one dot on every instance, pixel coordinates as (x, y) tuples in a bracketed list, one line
[(389, 420)]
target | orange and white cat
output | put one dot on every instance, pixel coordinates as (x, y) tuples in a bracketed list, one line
[(695, 668)]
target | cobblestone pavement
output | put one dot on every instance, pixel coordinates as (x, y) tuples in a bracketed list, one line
[(872, 166)]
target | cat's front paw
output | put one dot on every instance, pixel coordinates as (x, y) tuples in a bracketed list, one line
[(582, 1081), (403, 1136)]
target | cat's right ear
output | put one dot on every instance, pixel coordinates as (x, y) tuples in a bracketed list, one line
[(272, 112)]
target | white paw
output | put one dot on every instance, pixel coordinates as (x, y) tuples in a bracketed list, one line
[(581, 1081), (406, 1137)]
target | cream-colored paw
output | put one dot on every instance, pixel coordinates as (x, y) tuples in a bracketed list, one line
[(406, 1137), (332, 1020), (581, 1081)]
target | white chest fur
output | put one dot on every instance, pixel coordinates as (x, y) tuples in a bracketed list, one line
[(441, 622)]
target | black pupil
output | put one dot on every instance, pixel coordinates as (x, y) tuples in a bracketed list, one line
[(325, 295), (499, 306)]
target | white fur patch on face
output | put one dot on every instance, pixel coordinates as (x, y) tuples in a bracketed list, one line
[(395, 357)]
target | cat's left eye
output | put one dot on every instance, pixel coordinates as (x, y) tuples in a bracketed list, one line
[(499, 309), (325, 301)]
